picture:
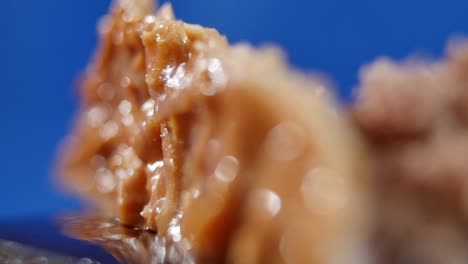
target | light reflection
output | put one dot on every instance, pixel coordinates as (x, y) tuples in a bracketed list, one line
[(216, 73), (121, 173), (160, 205), (131, 159), (285, 141), (174, 77), (147, 211), (154, 170), (265, 201), (218, 78), (150, 79), (116, 160), (149, 19), (127, 120), (154, 182), (323, 192), (130, 172), (126, 244), (159, 250), (109, 130), (125, 82), (148, 107), (187, 197), (125, 107), (152, 167), (212, 43), (174, 227), (174, 232), (103, 25), (96, 116), (180, 30), (196, 193), (105, 181), (227, 169), (135, 9), (80, 261), (167, 72), (135, 244), (214, 65)]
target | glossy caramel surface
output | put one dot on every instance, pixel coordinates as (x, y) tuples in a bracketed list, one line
[(221, 150)]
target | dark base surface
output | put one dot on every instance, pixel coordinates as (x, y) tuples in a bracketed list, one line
[(45, 233)]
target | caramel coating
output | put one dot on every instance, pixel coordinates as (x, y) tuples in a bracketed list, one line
[(221, 150), (414, 115)]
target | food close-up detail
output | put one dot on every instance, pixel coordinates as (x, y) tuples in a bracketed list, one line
[(414, 118), (193, 150)]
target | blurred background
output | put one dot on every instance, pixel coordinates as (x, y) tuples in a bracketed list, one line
[(45, 44)]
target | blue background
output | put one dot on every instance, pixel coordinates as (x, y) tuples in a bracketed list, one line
[(44, 45)]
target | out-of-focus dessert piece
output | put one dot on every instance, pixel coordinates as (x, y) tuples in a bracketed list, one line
[(415, 116), (221, 150)]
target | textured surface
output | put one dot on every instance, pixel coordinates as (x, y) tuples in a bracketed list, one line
[(222, 150), (40, 62), (415, 116)]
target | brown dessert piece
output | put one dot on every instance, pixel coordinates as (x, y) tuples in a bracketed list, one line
[(415, 117), (221, 150)]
